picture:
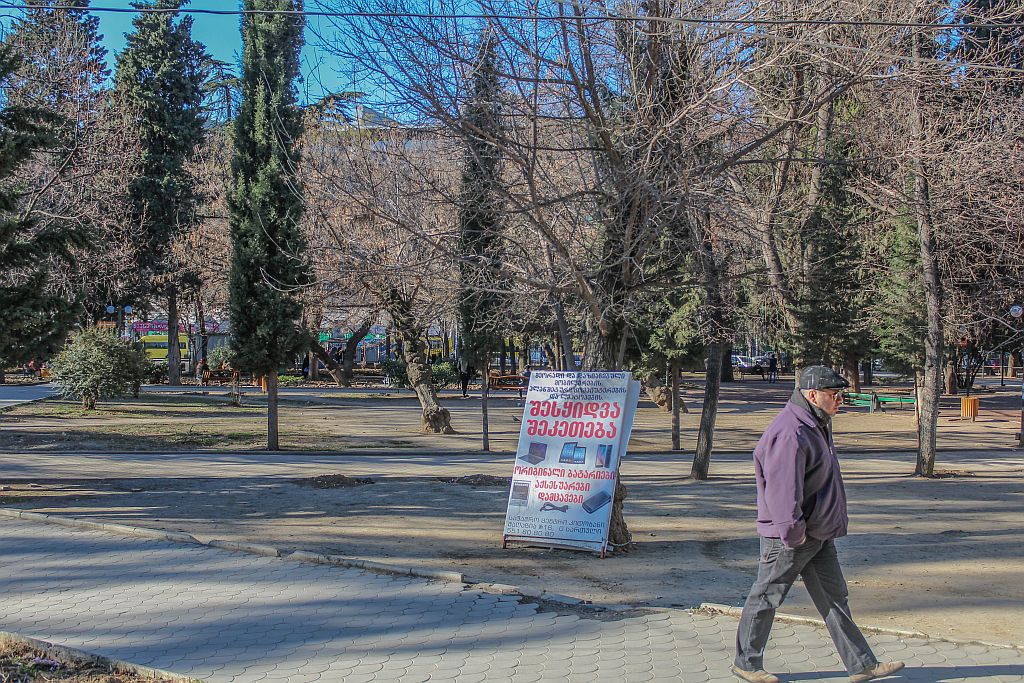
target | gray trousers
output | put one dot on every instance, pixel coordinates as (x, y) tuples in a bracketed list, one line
[(818, 564)]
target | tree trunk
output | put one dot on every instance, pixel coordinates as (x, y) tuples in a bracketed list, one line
[(727, 370), (618, 532), (549, 355), (659, 393), (869, 371), (435, 419), (676, 400), (932, 389), (319, 353), (851, 373), (273, 443), (569, 358), (173, 348), (708, 414), (204, 335), (485, 424), (950, 379), (503, 358), (348, 356), (604, 350)]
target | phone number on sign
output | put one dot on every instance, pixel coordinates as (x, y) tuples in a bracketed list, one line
[(584, 430), (595, 409)]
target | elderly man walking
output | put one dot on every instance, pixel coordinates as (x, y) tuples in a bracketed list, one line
[(801, 510)]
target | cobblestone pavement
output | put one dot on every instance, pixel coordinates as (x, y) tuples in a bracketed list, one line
[(226, 616)]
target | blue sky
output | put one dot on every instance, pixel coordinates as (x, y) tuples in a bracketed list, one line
[(221, 36)]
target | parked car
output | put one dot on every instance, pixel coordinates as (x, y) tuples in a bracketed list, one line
[(745, 365)]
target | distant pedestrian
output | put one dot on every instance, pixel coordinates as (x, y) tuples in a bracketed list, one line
[(466, 372), (801, 510), (773, 368), (524, 381)]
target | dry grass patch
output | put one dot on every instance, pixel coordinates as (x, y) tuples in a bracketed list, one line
[(22, 663)]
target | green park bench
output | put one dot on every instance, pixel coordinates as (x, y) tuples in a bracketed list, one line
[(874, 401)]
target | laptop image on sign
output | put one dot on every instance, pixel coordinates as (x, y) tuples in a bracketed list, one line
[(596, 501), (536, 454)]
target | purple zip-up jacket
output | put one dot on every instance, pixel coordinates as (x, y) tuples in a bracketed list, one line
[(799, 486)]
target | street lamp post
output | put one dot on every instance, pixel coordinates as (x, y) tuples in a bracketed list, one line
[(121, 312), (1017, 311)]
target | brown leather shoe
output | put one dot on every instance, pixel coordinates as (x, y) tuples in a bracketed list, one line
[(880, 671), (759, 676)]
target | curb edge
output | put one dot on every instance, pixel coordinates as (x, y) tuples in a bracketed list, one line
[(732, 611), (73, 654)]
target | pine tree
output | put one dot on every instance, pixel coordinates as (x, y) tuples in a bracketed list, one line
[(33, 318), (480, 219), (160, 76), (64, 61), (79, 183), (269, 263)]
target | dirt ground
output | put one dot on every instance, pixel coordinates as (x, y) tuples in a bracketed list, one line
[(943, 556)]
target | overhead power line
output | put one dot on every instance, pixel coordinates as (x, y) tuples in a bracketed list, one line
[(939, 26)]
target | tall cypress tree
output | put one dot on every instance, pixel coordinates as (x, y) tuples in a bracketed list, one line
[(480, 219), (33, 318), (159, 74), (269, 263)]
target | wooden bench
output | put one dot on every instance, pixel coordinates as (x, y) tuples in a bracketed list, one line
[(510, 382), (874, 401), (220, 376)]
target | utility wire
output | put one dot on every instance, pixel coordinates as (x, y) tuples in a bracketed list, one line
[(531, 17)]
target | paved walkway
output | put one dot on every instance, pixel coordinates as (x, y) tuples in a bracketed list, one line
[(225, 616), (12, 394)]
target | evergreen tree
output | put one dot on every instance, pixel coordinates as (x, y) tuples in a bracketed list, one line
[(269, 264), (160, 76), (79, 183), (33, 318), (480, 219), (899, 315), (63, 61)]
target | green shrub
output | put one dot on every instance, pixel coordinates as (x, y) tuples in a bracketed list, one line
[(443, 374), (220, 355), (395, 372), (96, 364), (290, 380)]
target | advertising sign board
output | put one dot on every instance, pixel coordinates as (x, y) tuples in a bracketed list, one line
[(574, 434)]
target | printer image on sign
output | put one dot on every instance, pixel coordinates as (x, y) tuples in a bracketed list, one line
[(574, 432)]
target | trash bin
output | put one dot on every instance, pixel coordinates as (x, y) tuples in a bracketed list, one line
[(969, 407)]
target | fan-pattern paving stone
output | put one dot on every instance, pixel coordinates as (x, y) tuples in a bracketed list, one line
[(232, 617)]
